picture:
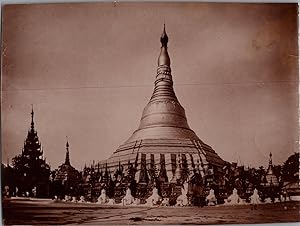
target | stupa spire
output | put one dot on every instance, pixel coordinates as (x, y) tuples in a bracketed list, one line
[(67, 160), (163, 117), (32, 115), (163, 89)]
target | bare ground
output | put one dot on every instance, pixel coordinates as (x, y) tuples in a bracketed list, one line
[(58, 213)]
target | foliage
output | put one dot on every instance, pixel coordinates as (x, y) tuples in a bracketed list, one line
[(290, 169)]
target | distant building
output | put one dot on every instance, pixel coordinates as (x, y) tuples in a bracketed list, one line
[(66, 178), (31, 170), (270, 178), (270, 183)]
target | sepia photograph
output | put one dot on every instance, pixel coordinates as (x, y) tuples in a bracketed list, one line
[(126, 113)]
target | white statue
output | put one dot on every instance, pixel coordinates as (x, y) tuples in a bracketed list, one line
[(82, 199), (137, 201), (34, 192), (254, 199), (111, 202), (67, 198), (128, 198), (102, 198), (268, 200), (6, 189), (182, 200), (211, 198), (74, 199), (165, 202), (154, 199), (284, 196), (234, 198)]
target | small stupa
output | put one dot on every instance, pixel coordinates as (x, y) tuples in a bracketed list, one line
[(270, 178)]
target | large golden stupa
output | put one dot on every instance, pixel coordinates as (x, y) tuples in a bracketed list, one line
[(164, 139)]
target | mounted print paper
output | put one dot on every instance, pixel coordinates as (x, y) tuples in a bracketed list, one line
[(150, 113)]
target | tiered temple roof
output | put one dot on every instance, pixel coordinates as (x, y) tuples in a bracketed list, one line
[(31, 167), (66, 172), (270, 178)]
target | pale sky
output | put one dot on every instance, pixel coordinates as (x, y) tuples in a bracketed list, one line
[(89, 71)]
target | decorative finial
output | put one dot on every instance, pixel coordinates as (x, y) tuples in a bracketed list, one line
[(270, 160), (164, 59), (164, 37), (67, 145), (67, 160), (32, 115)]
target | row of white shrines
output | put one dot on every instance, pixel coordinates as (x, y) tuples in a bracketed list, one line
[(182, 200)]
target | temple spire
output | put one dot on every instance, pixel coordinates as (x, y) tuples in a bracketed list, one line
[(67, 160), (270, 160), (163, 113), (32, 115), (164, 58)]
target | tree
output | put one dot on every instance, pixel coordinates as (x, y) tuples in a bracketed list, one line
[(290, 169)]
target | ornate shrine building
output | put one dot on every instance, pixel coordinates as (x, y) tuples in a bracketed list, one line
[(66, 178), (31, 170), (164, 151), (270, 183)]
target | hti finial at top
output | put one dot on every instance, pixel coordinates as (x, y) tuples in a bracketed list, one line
[(164, 37), (32, 114), (270, 160), (67, 159), (164, 59), (67, 144)]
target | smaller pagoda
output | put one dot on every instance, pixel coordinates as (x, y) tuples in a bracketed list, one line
[(270, 177), (270, 182), (66, 178), (31, 170)]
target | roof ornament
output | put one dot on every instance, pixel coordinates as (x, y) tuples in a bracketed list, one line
[(164, 37), (32, 115), (164, 59), (67, 160)]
